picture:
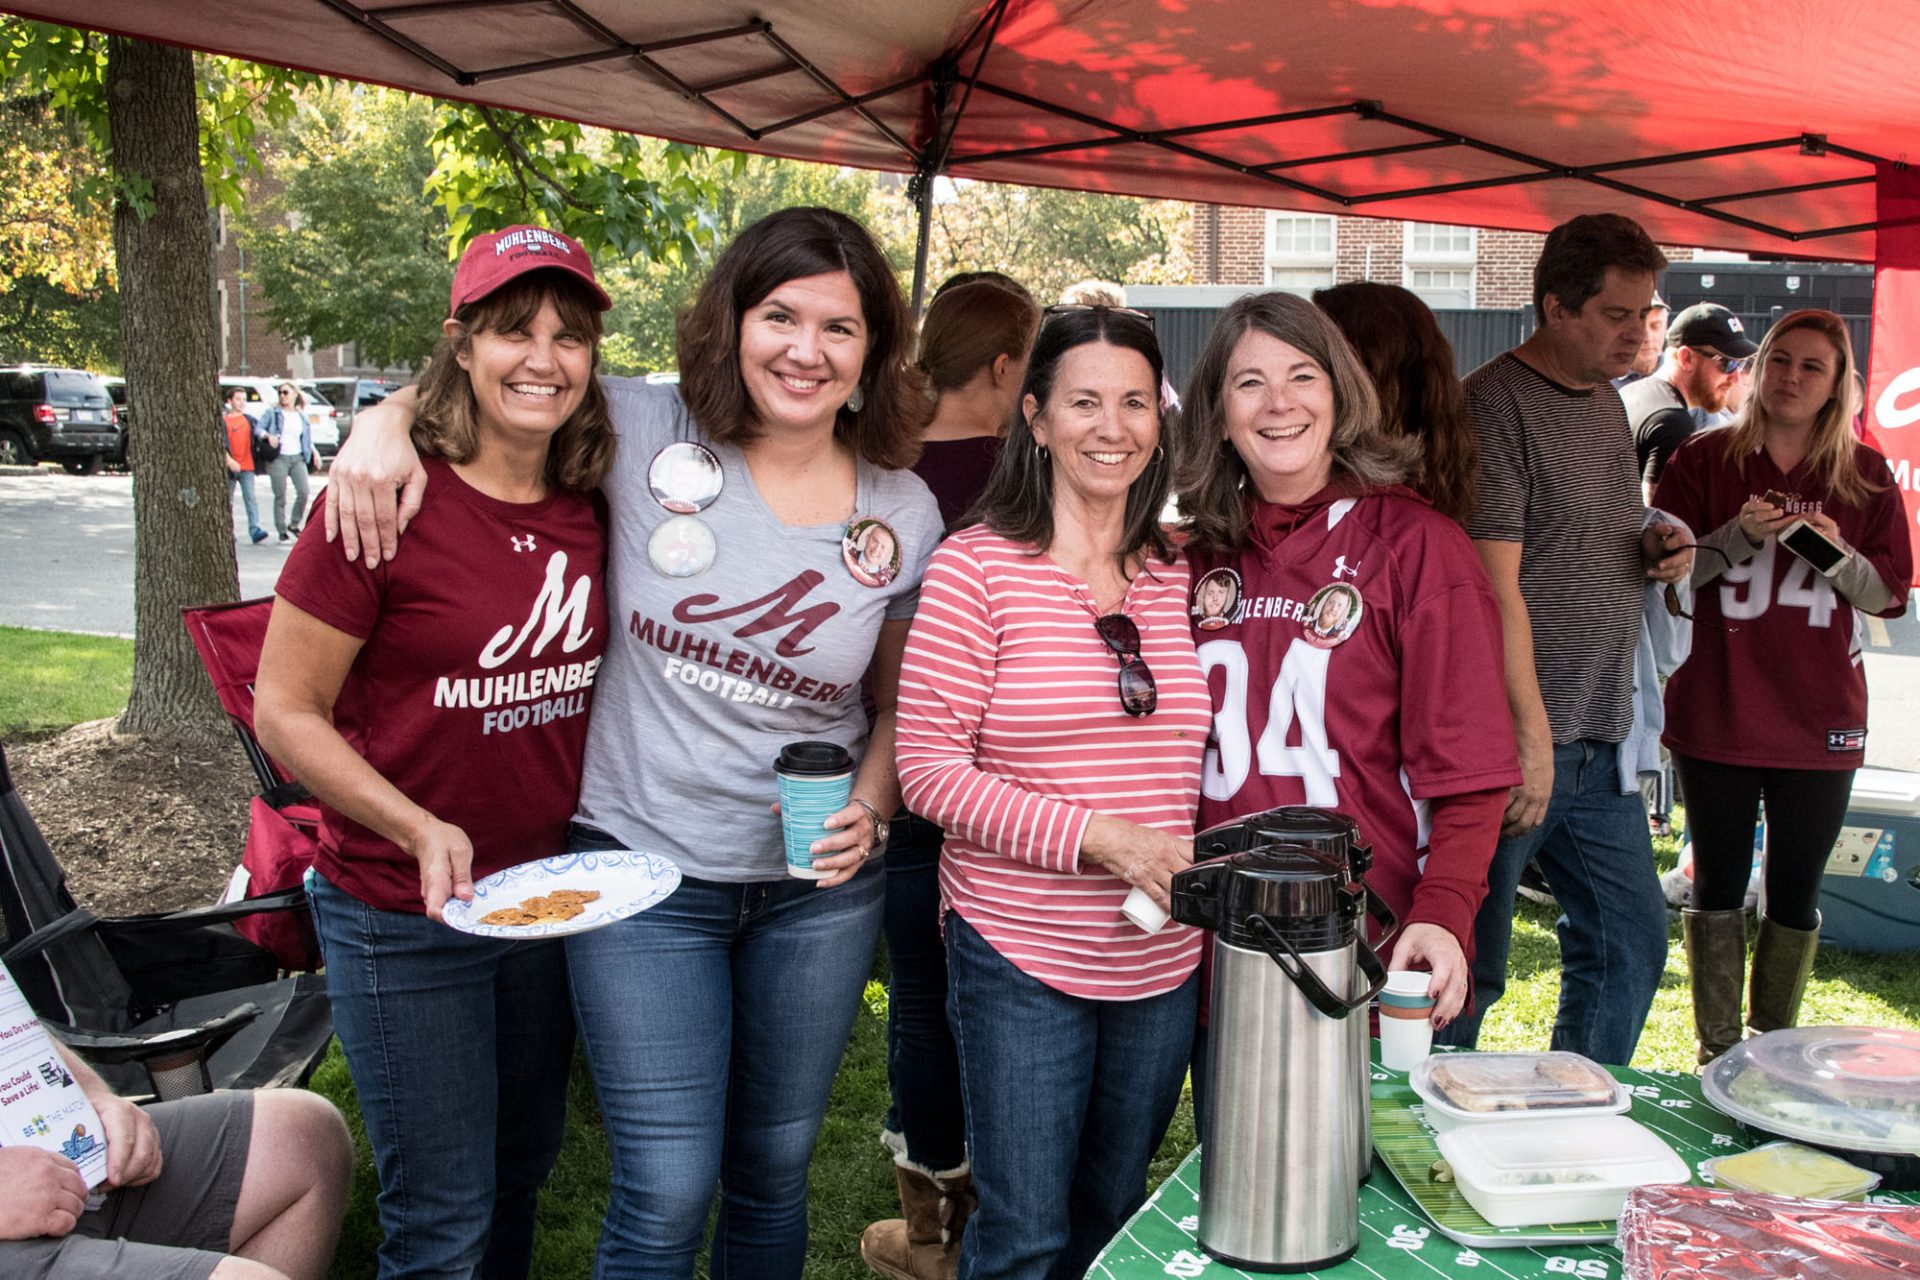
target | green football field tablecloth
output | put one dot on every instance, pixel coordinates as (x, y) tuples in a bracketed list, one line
[(1396, 1239)]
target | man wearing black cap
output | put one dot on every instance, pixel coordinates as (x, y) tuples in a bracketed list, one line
[(1707, 350)]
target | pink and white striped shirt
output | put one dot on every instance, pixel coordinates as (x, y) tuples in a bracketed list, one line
[(1011, 737)]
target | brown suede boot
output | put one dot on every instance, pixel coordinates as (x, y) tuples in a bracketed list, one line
[(1716, 946), (1782, 962), (925, 1244)]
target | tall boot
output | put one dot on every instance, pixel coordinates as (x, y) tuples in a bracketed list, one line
[(1782, 961), (1716, 946), (925, 1244)]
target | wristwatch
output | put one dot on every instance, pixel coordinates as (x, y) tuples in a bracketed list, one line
[(880, 826)]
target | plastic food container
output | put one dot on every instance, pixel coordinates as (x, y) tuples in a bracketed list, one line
[(1854, 1091), (1477, 1088), (1789, 1169), (1534, 1172)]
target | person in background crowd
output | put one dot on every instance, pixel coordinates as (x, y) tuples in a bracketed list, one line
[(1707, 352), (1094, 293), (1411, 364), (289, 456), (1770, 707), (1567, 541), (714, 1021), (973, 349), (1052, 717), (234, 1185), (239, 430), (1376, 640), (1652, 344), (380, 690)]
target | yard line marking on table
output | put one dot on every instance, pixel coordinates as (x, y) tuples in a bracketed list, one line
[(1485, 1255)]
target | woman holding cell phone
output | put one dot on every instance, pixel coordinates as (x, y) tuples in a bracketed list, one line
[(1770, 708), (766, 555)]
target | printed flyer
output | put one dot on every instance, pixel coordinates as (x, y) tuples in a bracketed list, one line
[(40, 1103)]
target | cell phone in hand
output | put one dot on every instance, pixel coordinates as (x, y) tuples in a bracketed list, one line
[(1778, 499), (1823, 553)]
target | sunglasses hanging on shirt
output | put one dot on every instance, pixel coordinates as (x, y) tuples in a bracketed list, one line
[(684, 478), (1138, 693)]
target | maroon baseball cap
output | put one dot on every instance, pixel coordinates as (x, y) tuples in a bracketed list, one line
[(494, 259)]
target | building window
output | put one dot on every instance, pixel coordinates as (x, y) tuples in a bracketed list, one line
[(1300, 251), (1439, 264), (226, 322)]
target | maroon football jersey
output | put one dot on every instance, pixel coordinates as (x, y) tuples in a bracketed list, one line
[(1358, 667), (470, 694), (1774, 678)]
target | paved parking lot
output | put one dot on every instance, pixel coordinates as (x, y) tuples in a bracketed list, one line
[(66, 563)]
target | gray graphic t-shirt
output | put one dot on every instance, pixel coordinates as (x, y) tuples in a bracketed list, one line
[(707, 677)]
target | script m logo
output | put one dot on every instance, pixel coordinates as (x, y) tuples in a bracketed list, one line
[(556, 606), (777, 610)]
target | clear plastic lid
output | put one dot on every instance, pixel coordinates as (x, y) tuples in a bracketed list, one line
[(1508, 1086), (1573, 1151), (1789, 1169), (1850, 1087)]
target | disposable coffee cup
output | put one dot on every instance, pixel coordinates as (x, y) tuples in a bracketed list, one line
[(816, 782), (1146, 915), (1406, 1019)]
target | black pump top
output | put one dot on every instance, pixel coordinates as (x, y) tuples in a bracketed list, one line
[(1303, 893), (1327, 830)]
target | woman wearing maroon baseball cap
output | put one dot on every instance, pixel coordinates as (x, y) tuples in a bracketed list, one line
[(399, 694), (766, 554)]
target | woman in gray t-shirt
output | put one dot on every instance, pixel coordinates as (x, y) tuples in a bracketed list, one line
[(752, 606)]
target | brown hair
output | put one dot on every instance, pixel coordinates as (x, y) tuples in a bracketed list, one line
[(1411, 362), (448, 422), (793, 244), (1213, 480), (1573, 262), (970, 326), (1831, 450), (1017, 502)]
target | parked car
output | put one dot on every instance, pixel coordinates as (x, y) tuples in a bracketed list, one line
[(264, 394), (351, 395), (57, 415), (117, 388)]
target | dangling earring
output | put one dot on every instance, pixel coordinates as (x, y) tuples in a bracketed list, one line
[(1159, 453), (858, 400), (1042, 451)]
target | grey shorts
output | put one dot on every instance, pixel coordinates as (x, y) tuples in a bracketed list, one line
[(177, 1227)]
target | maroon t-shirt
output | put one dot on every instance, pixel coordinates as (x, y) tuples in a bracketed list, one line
[(470, 694), (1373, 706), (956, 471), (1786, 689)]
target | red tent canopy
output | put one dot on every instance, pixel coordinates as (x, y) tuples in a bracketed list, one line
[(1751, 127)]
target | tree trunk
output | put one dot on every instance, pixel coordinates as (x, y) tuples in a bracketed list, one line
[(182, 520)]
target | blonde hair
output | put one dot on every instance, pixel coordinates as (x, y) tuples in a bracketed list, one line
[(1094, 293), (1831, 449)]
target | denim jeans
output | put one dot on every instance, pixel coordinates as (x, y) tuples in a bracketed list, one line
[(1067, 1101), (714, 1023), (459, 1049), (923, 1072), (1597, 855), (243, 481), (279, 471)]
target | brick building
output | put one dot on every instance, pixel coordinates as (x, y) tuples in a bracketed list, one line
[(1452, 268)]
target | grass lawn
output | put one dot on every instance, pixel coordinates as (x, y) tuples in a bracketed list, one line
[(49, 680)]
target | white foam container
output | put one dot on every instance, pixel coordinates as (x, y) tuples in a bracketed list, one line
[(1442, 1116), (1521, 1173)]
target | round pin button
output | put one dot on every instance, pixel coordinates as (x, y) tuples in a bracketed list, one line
[(681, 547), (685, 477)]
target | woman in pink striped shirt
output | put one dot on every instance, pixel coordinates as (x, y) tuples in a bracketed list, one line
[(1052, 716)]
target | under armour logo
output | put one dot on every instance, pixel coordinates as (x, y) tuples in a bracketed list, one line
[(1340, 569), (523, 544)]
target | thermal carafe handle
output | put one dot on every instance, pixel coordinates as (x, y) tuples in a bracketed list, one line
[(1382, 914), (1318, 994)]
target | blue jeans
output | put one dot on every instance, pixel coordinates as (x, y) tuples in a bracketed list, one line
[(1067, 1101), (714, 1023), (923, 1071), (1596, 853), (459, 1049), (243, 481)]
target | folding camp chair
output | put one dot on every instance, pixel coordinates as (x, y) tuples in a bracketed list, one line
[(167, 1005), (283, 830)]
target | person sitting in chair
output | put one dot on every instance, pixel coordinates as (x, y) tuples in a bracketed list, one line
[(234, 1185)]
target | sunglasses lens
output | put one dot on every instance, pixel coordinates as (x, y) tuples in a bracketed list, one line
[(1120, 634), (1138, 694)]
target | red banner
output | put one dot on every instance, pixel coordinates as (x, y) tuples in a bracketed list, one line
[(1893, 386)]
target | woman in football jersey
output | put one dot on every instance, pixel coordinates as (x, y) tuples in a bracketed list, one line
[(1051, 721), (1396, 716), (459, 1045), (1770, 707)]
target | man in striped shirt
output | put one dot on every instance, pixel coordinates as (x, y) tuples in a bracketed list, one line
[(1563, 533)]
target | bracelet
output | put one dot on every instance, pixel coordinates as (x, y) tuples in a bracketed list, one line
[(879, 827)]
